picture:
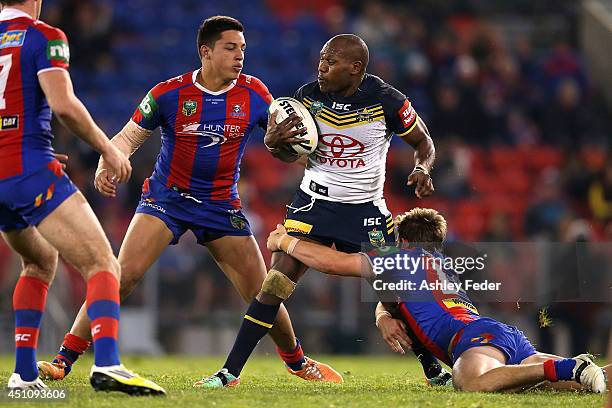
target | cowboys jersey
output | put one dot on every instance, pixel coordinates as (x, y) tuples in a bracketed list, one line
[(354, 135)]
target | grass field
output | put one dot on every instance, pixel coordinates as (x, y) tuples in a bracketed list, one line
[(369, 382)]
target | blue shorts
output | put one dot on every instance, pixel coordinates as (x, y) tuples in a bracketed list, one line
[(348, 226), (489, 332), (181, 212), (28, 199)]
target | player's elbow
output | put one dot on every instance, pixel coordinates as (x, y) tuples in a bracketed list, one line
[(65, 108)]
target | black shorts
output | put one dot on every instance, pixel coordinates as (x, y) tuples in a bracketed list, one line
[(351, 227)]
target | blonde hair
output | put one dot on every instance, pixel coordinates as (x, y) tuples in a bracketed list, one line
[(421, 225)]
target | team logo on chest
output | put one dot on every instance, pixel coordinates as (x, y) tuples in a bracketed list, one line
[(189, 107), (365, 115), (316, 108), (238, 110)]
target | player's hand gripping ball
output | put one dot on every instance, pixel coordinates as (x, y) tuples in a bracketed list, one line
[(291, 125)]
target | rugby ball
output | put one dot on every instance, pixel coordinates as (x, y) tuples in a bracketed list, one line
[(285, 107)]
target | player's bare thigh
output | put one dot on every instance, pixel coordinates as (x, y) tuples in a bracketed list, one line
[(145, 240), (473, 363), (38, 257), (73, 229), (240, 259)]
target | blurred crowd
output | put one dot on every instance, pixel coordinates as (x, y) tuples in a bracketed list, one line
[(522, 135)]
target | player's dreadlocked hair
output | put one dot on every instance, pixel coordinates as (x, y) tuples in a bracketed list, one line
[(11, 2), (423, 226), (211, 29)]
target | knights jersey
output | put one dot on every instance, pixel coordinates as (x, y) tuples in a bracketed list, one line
[(348, 164), (434, 307), (28, 48), (203, 133)]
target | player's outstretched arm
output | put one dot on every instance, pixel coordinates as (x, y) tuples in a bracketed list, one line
[(71, 112), (128, 140), (316, 256), (424, 156)]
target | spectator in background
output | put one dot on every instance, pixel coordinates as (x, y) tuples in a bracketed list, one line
[(600, 194), (547, 209), (88, 24), (567, 120)]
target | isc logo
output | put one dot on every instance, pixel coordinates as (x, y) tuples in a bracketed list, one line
[(370, 222), (341, 106), (96, 329), (22, 337)]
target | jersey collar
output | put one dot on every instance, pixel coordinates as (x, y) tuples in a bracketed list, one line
[(194, 79), (9, 13)]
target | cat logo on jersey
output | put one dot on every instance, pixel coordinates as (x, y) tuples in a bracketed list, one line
[(9, 122), (189, 107), (316, 108), (376, 238), (13, 38), (484, 338)]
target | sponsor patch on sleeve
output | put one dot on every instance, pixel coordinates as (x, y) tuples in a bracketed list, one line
[(58, 50), (407, 115), (148, 106)]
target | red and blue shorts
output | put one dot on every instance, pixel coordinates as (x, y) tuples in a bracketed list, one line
[(27, 199), (489, 332), (181, 211)]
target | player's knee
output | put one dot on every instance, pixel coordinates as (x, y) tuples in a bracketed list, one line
[(106, 263), (128, 283), (277, 284), (43, 268)]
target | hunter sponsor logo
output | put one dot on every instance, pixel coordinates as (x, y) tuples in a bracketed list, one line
[(297, 226), (9, 122), (211, 135), (13, 38), (58, 50), (339, 150)]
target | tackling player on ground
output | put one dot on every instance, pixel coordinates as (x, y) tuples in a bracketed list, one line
[(41, 212), (206, 117), (486, 355), (340, 200)]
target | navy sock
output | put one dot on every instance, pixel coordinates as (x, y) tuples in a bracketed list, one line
[(431, 366), (258, 320)]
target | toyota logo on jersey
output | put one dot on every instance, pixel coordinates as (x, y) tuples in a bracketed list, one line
[(340, 151)]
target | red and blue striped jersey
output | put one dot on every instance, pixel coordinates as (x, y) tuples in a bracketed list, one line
[(203, 133), (27, 48), (433, 307)]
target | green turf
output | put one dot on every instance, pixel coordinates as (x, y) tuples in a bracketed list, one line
[(369, 382)]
